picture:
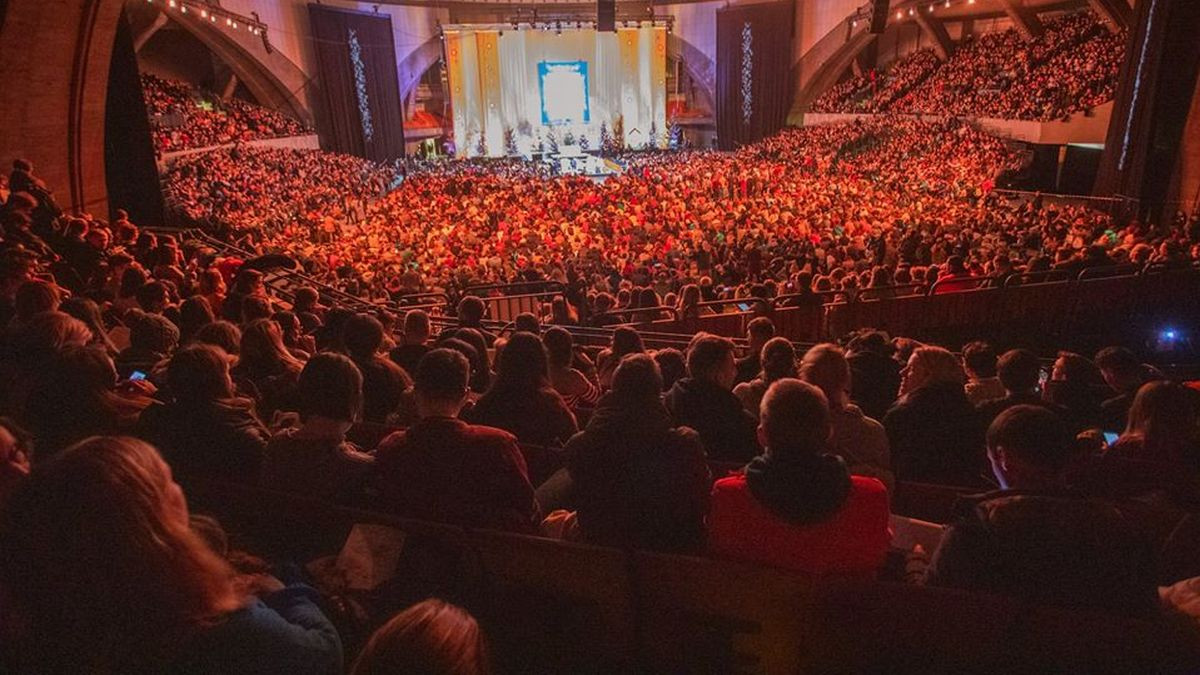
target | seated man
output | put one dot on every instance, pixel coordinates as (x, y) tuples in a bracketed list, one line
[(315, 459), (1019, 370), (444, 469), (384, 382), (637, 478), (796, 506), (705, 402), (1035, 541), (415, 341), (979, 362)]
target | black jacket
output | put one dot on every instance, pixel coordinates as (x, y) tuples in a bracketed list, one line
[(728, 432), (639, 481), (1053, 549), (223, 439), (936, 436)]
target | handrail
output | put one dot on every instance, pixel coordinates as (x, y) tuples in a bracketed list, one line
[(482, 290), (755, 304), (1040, 277), (897, 290), (1109, 272), (626, 315), (972, 283)]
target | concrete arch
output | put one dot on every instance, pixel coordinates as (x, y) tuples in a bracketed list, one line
[(698, 65), (820, 68), (412, 67), (269, 75)]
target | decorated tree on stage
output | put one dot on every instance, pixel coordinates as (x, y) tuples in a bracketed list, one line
[(606, 141), (675, 136), (552, 141), (481, 146), (510, 142), (584, 143), (652, 139)]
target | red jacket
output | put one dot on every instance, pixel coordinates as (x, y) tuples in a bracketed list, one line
[(446, 470), (853, 541)]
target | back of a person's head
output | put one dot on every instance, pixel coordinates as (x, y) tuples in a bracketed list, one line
[(626, 340), (100, 564), (416, 323), (247, 281), (672, 365), (778, 359), (305, 299), (1078, 369), (559, 346), (151, 332), (442, 375), (362, 336), (760, 329), (980, 359), (1119, 361), (705, 356), (194, 313), (223, 334), (1164, 414), (330, 386), (637, 378), (794, 417), (262, 346), (527, 322), (199, 373), (1034, 435), (48, 333), (1019, 370), (825, 366), (470, 310), (152, 296), (429, 638), (939, 364), (521, 364), (132, 279), (255, 307), (35, 297)]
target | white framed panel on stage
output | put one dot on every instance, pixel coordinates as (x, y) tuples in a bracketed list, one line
[(530, 90)]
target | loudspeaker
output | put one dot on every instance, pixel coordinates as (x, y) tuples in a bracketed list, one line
[(879, 16), (606, 15)]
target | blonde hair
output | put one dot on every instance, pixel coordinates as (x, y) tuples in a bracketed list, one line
[(100, 564), (430, 638), (940, 365)]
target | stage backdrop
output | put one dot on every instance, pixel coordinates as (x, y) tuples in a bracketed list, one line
[(356, 64), (513, 90), (753, 53)]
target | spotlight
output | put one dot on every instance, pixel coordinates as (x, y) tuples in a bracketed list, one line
[(899, 14), (911, 11), (172, 4), (183, 9), (235, 25), (931, 9), (947, 5), (204, 14)]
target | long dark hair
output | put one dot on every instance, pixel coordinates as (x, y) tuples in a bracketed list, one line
[(522, 366)]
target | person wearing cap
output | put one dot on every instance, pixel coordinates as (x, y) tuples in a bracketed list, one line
[(152, 339)]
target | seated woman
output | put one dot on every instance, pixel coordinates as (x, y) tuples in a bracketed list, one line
[(205, 429), (778, 360), (431, 638), (796, 506), (267, 367), (316, 460), (575, 388), (101, 574), (521, 400)]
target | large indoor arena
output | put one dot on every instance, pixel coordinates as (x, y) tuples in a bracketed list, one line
[(449, 337)]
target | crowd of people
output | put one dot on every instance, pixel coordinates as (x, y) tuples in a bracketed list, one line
[(165, 368), (184, 117), (1071, 68), (877, 202)]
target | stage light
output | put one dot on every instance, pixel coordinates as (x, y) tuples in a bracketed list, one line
[(213, 18), (204, 14), (172, 4), (931, 9), (947, 5), (235, 25), (911, 11), (899, 14)]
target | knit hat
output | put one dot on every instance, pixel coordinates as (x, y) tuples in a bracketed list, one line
[(151, 332)]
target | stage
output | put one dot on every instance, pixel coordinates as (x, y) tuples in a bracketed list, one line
[(559, 90)]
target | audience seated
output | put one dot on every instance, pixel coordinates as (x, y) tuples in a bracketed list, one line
[(979, 363), (205, 430), (797, 507), (414, 341), (444, 469), (778, 360), (101, 573), (1162, 428), (16, 446), (1125, 375), (384, 382), (758, 331), (934, 431), (1077, 385), (1019, 371), (875, 375), (704, 401), (576, 388), (315, 459), (520, 399), (430, 638), (860, 441), (1033, 540), (638, 480), (266, 367)]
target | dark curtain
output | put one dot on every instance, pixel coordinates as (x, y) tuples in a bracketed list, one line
[(1157, 83), (754, 46), (130, 171), (343, 126)]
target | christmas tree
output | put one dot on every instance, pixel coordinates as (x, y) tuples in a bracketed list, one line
[(510, 142), (675, 138), (605, 139)]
